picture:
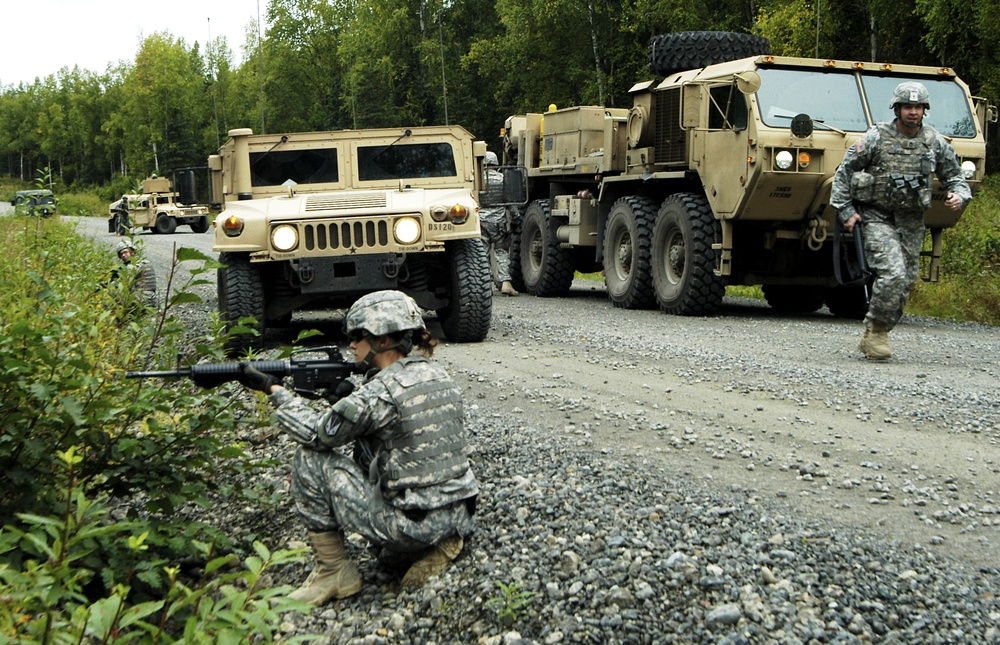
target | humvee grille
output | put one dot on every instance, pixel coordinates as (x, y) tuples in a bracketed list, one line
[(333, 202), (323, 236), (669, 138)]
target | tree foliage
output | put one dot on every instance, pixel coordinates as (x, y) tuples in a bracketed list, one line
[(334, 64)]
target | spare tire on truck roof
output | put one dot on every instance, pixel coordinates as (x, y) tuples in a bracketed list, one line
[(684, 50)]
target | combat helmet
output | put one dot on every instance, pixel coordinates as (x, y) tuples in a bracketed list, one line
[(383, 312), (491, 159), (121, 246), (910, 92)]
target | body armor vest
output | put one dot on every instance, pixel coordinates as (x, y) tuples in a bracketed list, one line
[(429, 448), (903, 174)]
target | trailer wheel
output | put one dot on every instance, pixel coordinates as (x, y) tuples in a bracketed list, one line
[(847, 302), (793, 299), (546, 268), (165, 225), (684, 50), (684, 279), (200, 225), (241, 295), (627, 272), (467, 317)]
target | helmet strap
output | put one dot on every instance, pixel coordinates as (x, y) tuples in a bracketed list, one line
[(404, 346)]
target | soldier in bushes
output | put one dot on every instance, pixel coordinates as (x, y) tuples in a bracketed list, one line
[(141, 277), (884, 185), (409, 487)]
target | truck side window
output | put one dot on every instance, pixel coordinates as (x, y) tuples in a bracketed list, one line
[(727, 109)]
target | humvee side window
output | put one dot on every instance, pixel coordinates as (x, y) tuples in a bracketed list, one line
[(414, 161), (727, 109), (828, 97), (950, 114), (314, 166)]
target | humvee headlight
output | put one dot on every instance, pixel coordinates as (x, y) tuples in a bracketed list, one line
[(458, 214), (783, 160), (232, 226), (406, 230), (284, 238), (968, 169)]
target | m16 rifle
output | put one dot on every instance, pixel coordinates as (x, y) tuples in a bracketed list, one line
[(312, 377), (851, 269)]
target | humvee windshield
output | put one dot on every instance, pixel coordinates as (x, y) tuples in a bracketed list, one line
[(414, 161), (313, 166), (834, 99)]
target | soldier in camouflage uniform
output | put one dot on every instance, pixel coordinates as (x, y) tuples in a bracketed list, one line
[(884, 184), (409, 487), (496, 232), (141, 276)]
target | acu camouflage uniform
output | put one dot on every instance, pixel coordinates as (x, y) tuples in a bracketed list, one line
[(409, 484), (495, 228), (886, 178)]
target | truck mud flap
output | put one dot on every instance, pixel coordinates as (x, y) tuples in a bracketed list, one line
[(343, 274)]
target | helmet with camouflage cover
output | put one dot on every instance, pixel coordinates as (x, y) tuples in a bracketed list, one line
[(910, 92), (122, 246), (383, 312), (491, 159)]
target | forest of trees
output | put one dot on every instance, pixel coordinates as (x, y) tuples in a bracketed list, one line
[(334, 64)]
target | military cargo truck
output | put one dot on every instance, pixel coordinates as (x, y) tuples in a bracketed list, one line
[(159, 208), (314, 220), (719, 174)]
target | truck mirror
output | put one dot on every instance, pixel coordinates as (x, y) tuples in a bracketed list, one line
[(748, 82)]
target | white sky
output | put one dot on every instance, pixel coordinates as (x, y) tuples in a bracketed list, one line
[(40, 37)]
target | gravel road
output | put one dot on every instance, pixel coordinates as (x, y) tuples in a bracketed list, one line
[(747, 477)]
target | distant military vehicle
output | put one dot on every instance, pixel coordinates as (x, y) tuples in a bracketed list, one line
[(158, 208), (37, 201)]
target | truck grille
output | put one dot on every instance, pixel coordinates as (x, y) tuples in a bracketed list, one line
[(345, 202), (669, 139), (357, 234)]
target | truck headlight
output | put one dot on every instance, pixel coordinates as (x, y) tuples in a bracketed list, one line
[(968, 169), (284, 238), (406, 230), (783, 160)]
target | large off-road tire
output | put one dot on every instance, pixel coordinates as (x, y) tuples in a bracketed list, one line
[(847, 302), (165, 225), (200, 225), (627, 237), (467, 317), (684, 279), (546, 268), (793, 299), (514, 257), (683, 50), (241, 295)]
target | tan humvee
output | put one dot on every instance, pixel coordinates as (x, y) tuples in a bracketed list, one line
[(314, 220), (156, 209), (718, 175)]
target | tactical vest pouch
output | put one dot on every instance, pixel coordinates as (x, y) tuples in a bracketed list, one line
[(908, 192), (863, 186)]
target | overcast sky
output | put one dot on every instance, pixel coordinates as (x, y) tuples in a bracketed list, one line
[(40, 37)]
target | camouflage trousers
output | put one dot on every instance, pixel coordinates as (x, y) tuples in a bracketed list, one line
[(497, 238), (892, 250), (332, 493)]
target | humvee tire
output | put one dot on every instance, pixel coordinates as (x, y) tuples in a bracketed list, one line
[(514, 252), (792, 299), (627, 273), (469, 313), (546, 268), (684, 50), (200, 225), (165, 224), (684, 280), (241, 294)]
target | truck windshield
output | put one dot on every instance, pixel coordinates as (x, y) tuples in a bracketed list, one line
[(274, 168), (830, 98), (412, 161), (949, 114)]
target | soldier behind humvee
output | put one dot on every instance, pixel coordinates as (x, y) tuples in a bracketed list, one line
[(884, 184)]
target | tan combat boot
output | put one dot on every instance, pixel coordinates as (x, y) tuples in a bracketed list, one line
[(335, 575), (875, 343), (433, 561), (508, 289)]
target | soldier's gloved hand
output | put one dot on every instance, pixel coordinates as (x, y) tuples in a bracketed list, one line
[(255, 379), (343, 388)]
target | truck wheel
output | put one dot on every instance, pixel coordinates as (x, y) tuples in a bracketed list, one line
[(847, 302), (165, 224), (683, 50), (200, 225), (241, 294), (627, 257), (792, 299), (684, 279), (467, 317), (546, 268), (514, 253)]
